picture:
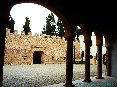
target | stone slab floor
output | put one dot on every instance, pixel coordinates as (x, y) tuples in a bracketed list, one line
[(106, 82), (50, 75)]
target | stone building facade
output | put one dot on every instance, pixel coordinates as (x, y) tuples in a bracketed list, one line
[(37, 49)]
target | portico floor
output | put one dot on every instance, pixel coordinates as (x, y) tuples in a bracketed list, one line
[(106, 82)]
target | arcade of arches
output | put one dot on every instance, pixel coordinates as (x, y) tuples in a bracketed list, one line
[(70, 22)]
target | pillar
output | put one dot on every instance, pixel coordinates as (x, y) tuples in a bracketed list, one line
[(2, 47), (4, 18), (99, 61), (69, 63), (108, 62), (87, 62)]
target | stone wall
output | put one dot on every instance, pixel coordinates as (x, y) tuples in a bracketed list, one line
[(19, 48)]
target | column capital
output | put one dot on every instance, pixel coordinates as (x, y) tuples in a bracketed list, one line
[(99, 44), (69, 38), (88, 42), (107, 44), (99, 41)]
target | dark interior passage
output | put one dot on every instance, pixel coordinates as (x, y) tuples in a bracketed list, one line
[(36, 57)]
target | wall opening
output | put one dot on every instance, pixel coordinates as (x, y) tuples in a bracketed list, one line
[(37, 57), (36, 13)]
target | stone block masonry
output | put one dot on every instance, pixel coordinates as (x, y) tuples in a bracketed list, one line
[(37, 49)]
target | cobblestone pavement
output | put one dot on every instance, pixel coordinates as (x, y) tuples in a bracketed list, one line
[(43, 75)]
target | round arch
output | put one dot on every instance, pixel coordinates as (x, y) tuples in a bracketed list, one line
[(52, 8), (85, 32), (99, 37), (107, 40)]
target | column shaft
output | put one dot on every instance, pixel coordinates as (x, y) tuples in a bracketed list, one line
[(2, 47), (87, 62), (69, 63), (108, 62), (99, 62)]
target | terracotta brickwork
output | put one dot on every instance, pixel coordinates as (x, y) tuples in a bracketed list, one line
[(19, 48)]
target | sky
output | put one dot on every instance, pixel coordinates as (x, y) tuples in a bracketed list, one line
[(36, 13)]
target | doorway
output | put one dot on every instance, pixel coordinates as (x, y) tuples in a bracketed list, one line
[(36, 57)]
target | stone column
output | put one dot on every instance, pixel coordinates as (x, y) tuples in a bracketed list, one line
[(2, 43), (2, 48), (69, 63), (99, 61), (87, 62), (108, 62)]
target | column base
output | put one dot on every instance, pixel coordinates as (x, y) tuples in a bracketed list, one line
[(99, 77), (108, 75), (87, 80), (68, 85)]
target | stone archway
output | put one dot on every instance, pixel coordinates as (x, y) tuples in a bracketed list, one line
[(87, 40), (36, 57), (99, 43), (50, 7), (108, 53)]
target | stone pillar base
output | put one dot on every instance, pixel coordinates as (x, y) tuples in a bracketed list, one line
[(69, 85), (99, 77), (108, 75), (87, 80)]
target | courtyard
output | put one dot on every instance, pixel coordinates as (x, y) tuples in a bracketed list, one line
[(38, 75)]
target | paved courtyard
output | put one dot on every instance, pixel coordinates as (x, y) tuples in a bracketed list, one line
[(40, 75)]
